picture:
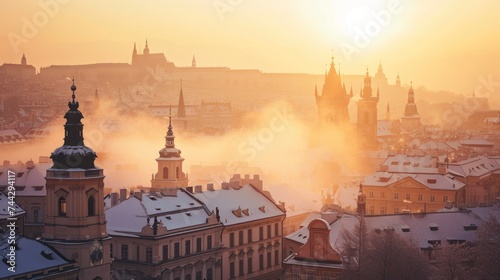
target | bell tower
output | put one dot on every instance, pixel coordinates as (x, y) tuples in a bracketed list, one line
[(169, 174), (367, 115), (75, 222)]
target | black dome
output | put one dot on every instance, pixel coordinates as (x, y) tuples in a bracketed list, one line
[(73, 157)]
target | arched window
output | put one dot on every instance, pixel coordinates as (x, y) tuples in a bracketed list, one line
[(91, 206), (62, 206), (366, 117), (177, 172), (165, 172)]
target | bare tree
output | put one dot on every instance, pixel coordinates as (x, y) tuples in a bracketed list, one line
[(488, 249), (454, 261), (354, 249)]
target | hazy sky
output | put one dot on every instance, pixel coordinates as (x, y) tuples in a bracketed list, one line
[(439, 44)]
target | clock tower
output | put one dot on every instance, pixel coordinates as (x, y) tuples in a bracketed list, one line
[(75, 223)]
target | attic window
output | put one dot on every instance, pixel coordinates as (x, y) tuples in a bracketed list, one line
[(47, 255), (245, 211), (168, 217), (455, 241), (191, 203), (416, 164), (152, 197), (394, 163), (405, 228), (178, 205), (262, 209), (20, 174), (470, 227), (37, 188), (433, 226), (300, 234), (158, 209), (20, 188), (188, 214), (406, 163), (431, 181), (384, 179), (237, 212)]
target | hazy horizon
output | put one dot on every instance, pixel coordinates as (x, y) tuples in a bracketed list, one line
[(440, 45)]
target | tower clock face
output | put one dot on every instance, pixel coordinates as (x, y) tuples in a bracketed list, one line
[(96, 253)]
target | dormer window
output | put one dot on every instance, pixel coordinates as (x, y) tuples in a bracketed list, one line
[(62, 206)]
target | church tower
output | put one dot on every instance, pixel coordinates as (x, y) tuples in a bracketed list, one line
[(410, 119), (367, 115), (380, 77), (75, 222), (333, 101), (146, 49), (23, 60), (398, 81), (169, 173), (134, 56), (193, 62), (388, 112)]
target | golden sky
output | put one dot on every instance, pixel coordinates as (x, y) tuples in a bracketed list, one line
[(439, 44)]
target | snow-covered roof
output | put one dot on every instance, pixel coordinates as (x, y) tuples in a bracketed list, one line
[(384, 128), (405, 163), (297, 201), (240, 205), (476, 142), (477, 166), (28, 181), (435, 181), (11, 136), (32, 256), (129, 217), (451, 226)]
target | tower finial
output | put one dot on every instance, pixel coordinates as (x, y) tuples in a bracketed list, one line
[(73, 89)]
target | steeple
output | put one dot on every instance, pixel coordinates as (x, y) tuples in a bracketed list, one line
[(411, 107), (73, 153), (146, 48), (134, 55), (367, 89), (169, 138), (23, 60), (181, 108), (398, 81), (193, 62)]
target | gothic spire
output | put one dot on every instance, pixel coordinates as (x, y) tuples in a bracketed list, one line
[(181, 108), (169, 138)]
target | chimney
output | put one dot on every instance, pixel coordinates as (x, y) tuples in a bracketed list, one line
[(198, 189), (114, 198), (210, 187), (225, 185), (234, 185), (189, 189), (442, 170), (138, 195), (256, 176), (247, 177), (30, 164), (6, 163), (236, 177), (384, 167), (169, 192), (123, 194)]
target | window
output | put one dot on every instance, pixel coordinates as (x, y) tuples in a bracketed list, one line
[(124, 252), (165, 172), (111, 250), (382, 210), (249, 235), (137, 253), (198, 244), (188, 247), (177, 250), (268, 259), (310, 275), (231, 239), (62, 206), (268, 231), (396, 195), (187, 277), (177, 172), (261, 233), (240, 267), (371, 194), (445, 198), (276, 257), (249, 265), (396, 210), (276, 230), (261, 261), (210, 273), (296, 274), (209, 242), (35, 216), (382, 194), (433, 198), (231, 270), (165, 252), (408, 196), (240, 237), (91, 206), (419, 197), (149, 255), (199, 275)]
